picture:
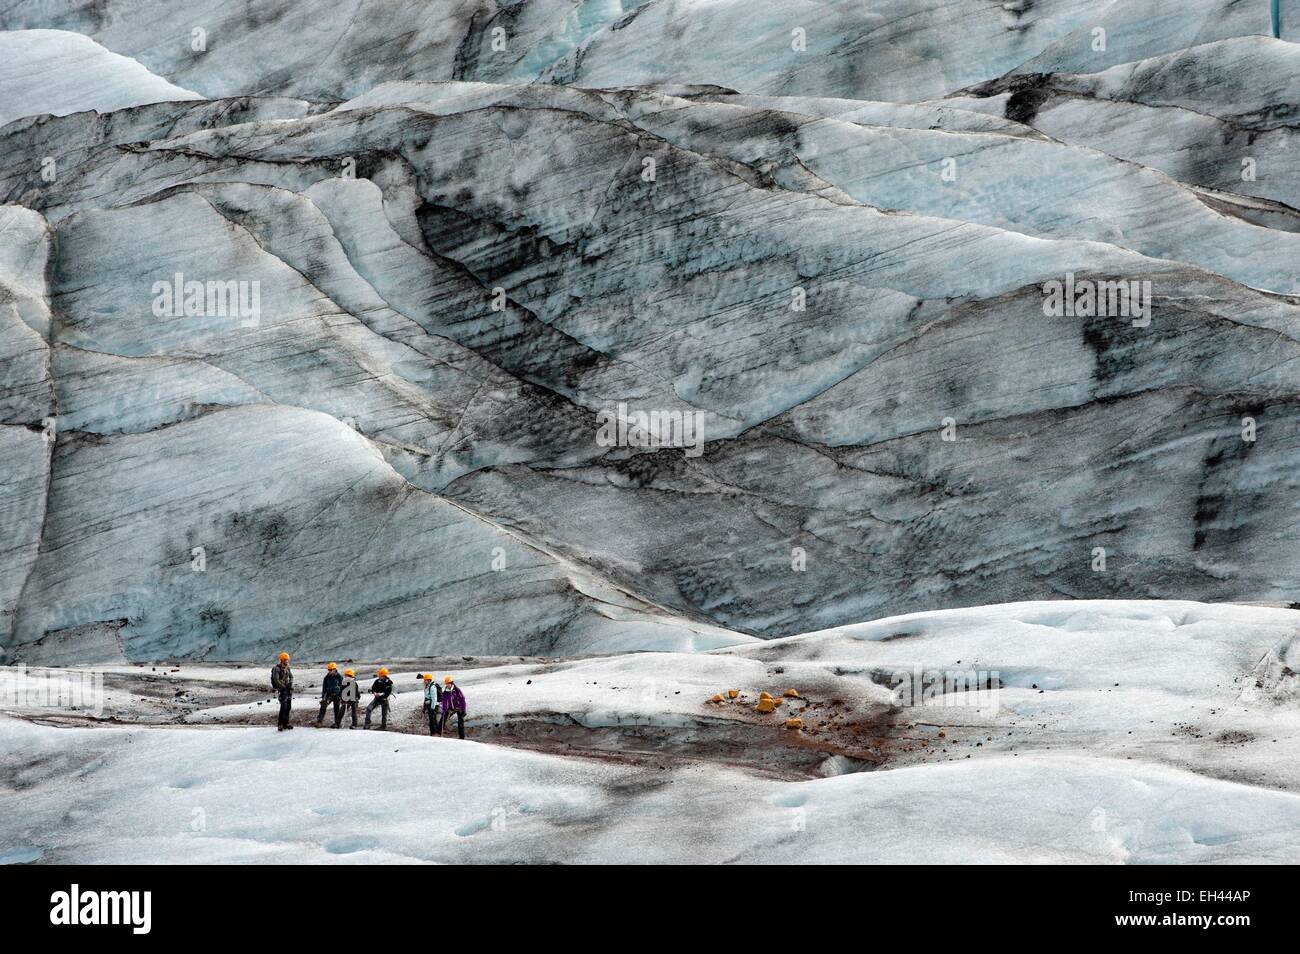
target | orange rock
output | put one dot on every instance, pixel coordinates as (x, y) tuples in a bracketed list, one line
[(794, 723), (733, 693), (717, 698), (943, 735), (792, 693), (766, 705)]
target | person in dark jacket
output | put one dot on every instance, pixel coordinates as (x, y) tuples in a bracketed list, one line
[(453, 700), (282, 683), (331, 690), (350, 693), (432, 703), (382, 689)]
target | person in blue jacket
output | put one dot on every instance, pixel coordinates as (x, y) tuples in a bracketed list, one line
[(331, 690), (381, 689)]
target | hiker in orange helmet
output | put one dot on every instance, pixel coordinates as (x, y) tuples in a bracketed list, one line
[(350, 693), (331, 690), (432, 702), (282, 684), (382, 689), (453, 700)]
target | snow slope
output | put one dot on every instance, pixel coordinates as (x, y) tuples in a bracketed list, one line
[(248, 795), (1124, 732), (58, 72)]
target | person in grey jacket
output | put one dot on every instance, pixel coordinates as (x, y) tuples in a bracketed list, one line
[(282, 683), (349, 695)]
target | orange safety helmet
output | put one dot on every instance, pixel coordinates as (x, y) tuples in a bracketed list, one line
[(383, 671), (332, 667), (350, 672), (447, 680), (284, 657)]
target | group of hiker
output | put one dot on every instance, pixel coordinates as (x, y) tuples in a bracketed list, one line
[(441, 702)]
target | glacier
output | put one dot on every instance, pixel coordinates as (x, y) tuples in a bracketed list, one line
[(915, 433), (310, 315)]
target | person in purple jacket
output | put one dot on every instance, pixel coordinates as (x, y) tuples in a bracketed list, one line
[(453, 700)]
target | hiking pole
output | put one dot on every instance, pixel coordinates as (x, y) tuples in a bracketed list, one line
[(1277, 19)]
